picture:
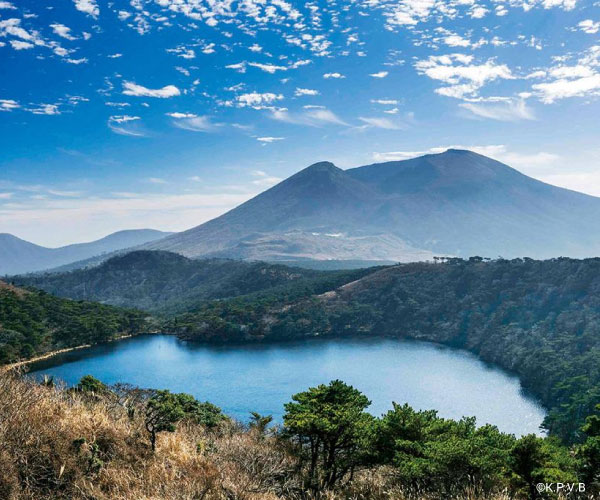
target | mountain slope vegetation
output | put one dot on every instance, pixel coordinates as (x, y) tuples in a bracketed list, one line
[(33, 322), (539, 319), (454, 203), (20, 256), (166, 282)]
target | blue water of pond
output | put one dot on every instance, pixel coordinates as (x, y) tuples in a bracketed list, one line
[(262, 377)]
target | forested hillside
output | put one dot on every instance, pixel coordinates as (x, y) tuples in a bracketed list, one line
[(540, 319), (32, 322), (165, 282)]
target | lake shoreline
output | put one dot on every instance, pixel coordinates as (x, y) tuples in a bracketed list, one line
[(51, 354)]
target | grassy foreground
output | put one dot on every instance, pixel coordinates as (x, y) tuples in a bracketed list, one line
[(94, 442)]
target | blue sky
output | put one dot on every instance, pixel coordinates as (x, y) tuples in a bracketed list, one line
[(166, 113)]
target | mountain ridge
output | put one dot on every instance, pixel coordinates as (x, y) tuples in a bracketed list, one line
[(21, 256), (453, 203)]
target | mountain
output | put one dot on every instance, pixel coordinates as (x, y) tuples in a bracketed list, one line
[(20, 256), (165, 281), (453, 203), (33, 322)]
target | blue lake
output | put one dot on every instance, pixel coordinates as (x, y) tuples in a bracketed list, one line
[(262, 377)]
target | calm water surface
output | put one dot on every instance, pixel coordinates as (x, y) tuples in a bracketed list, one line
[(262, 378)]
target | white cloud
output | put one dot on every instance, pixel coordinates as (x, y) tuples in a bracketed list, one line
[(263, 179), (465, 79), (193, 123), (455, 40), (124, 118), (45, 109), (126, 125), (239, 67), (588, 26), (65, 194), (269, 68), (385, 102), (300, 92), (21, 45), (156, 180), (209, 49), (177, 114), (8, 105), (563, 4), (313, 117), (62, 30), (333, 75), (7, 5), (408, 12), (577, 71), (380, 74), (90, 7), (300, 63), (503, 111), (269, 139), (478, 12), (13, 27), (83, 60), (133, 89), (563, 88), (256, 100), (384, 123)]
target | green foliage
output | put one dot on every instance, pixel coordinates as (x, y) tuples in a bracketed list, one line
[(32, 322), (91, 385), (331, 428), (206, 414), (590, 451), (527, 460), (164, 409), (260, 422), (430, 452)]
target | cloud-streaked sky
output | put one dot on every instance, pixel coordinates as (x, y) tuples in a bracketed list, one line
[(166, 113)]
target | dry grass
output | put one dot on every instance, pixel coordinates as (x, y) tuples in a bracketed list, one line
[(56, 444)]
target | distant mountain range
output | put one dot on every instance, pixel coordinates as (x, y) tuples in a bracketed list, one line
[(455, 203), (20, 256)]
